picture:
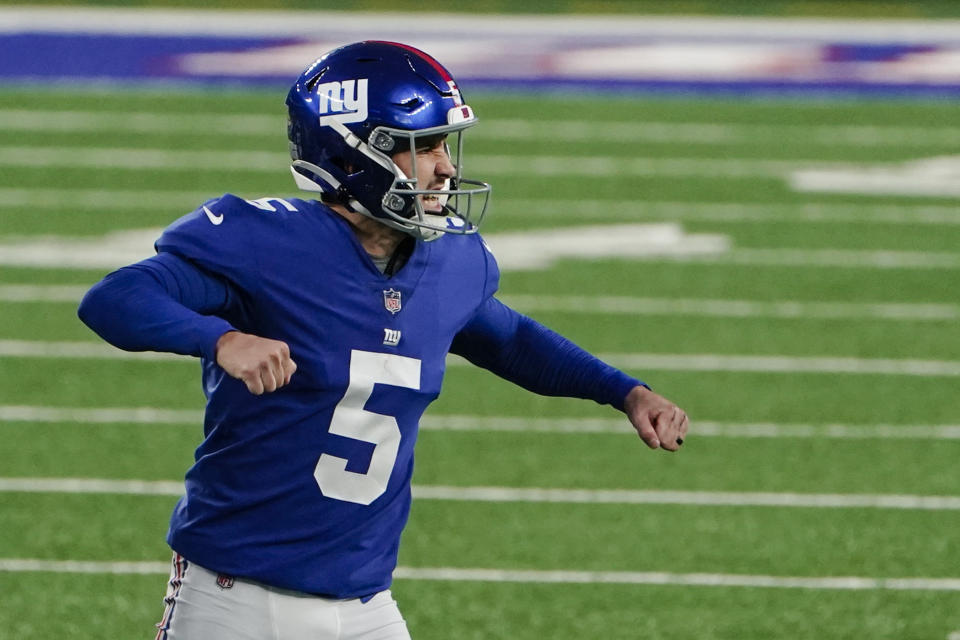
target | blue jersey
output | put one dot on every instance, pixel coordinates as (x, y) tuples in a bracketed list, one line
[(308, 488)]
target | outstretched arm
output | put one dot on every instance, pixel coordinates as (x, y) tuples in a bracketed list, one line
[(521, 350), (165, 303)]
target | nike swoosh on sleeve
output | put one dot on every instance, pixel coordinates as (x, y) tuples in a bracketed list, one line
[(214, 218)]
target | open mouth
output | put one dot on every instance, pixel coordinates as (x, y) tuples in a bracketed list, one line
[(433, 202)]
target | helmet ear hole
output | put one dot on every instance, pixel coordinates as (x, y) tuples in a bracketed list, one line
[(382, 141), (394, 202)]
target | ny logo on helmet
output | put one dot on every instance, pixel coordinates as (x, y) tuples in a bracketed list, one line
[(344, 101)]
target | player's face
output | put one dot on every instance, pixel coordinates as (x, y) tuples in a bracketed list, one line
[(434, 170)]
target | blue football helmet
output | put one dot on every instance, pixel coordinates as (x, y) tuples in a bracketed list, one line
[(357, 106)]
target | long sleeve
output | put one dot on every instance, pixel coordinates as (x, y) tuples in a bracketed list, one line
[(163, 303), (523, 351)]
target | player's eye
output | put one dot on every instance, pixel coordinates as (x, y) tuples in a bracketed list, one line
[(430, 143)]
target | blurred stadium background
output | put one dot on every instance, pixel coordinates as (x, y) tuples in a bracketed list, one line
[(757, 212)]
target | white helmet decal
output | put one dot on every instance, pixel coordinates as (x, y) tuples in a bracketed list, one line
[(345, 101)]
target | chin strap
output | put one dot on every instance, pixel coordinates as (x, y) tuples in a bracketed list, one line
[(306, 184)]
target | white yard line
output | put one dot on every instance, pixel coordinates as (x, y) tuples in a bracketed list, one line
[(120, 248), (42, 292), (454, 574), (615, 305), (28, 565), (124, 121), (100, 415), (142, 159), (698, 498), (683, 579), (773, 364), (92, 486), (41, 199), (636, 361), (703, 428), (536, 495), (623, 131), (712, 133), (618, 166), (840, 258), (783, 364), (809, 212), (732, 308), (77, 349), (129, 158)]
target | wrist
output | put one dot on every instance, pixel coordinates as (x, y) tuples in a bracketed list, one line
[(636, 395), (211, 336)]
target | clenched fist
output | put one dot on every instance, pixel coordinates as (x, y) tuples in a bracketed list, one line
[(659, 422), (262, 364)]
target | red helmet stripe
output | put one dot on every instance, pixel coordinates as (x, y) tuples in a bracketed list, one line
[(426, 58)]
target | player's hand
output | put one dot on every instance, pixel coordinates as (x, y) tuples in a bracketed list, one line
[(262, 364), (659, 422)]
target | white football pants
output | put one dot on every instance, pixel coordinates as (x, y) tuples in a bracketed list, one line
[(202, 605)]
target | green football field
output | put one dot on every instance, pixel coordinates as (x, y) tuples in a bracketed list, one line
[(786, 270)]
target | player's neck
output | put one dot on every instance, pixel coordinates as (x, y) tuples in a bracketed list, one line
[(377, 239)]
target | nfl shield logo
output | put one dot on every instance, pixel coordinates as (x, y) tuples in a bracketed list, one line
[(224, 581), (391, 300)]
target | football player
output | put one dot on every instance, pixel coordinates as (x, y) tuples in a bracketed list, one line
[(323, 326)]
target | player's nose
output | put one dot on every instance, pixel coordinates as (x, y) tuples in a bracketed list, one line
[(445, 168)]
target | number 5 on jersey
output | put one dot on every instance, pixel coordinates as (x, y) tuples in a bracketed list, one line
[(351, 420)]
